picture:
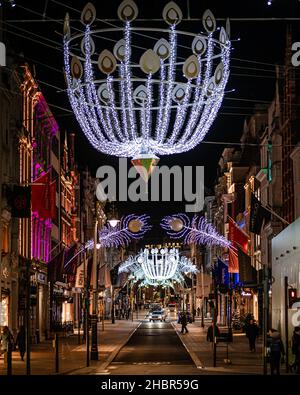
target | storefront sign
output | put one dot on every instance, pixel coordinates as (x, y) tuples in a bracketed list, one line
[(41, 278)]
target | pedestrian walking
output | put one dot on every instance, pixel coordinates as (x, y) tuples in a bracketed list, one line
[(210, 332), (276, 351), (7, 341), (21, 342), (252, 333), (198, 311), (296, 349), (184, 323)]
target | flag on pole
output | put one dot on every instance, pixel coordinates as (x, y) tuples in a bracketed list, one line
[(221, 273), (247, 273), (258, 215), (56, 267), (233, 266), (237, 236), (43, 196)]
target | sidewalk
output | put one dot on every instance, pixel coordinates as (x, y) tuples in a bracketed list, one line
[(72, 357), (242, 360)]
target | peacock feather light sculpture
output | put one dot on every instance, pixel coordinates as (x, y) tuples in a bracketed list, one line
[(138, 102)]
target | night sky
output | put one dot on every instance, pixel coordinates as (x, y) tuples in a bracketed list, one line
[(253, 60)]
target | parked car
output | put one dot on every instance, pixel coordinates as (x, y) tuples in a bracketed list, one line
[(157, 315)]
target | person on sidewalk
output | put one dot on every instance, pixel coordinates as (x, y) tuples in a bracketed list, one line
[(184, 322), (276, 351), (296, 349), (198, 311), (210, 332), (252, 333), (7, 341), (21, 341)]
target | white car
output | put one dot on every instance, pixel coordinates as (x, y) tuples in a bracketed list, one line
[(157, 315)]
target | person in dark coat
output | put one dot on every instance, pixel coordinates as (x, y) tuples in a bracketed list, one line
[(21, 342), (210, 332), (183, 321), (296, 348), (276, 351), (252, 333)]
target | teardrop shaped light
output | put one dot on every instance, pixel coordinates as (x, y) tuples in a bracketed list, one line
[(178, 93), (228, 30), (88, 14), (107, 62), (191, 67), (172, 14), (76, 68), (176, 224), (162, 48), (219, 72), (140, 95), (67, 31), (210, 87), (119, 50), (149, 62), (103, 93), (92, 46), (127, 11), (199, 45), (223, 36), (209, 21)]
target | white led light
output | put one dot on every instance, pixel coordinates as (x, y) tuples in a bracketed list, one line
[(162, 124)]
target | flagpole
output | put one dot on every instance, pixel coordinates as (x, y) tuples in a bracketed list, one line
[(267, 207)]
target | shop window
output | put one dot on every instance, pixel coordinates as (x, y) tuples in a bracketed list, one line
[(4, 310)]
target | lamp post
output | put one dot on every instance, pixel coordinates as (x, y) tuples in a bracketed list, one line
[(94, 318)]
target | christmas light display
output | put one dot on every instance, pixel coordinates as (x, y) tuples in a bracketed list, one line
[(158, 267), (129, 227), (197, 231), (141, 104)]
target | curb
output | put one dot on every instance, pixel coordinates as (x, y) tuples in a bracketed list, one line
[(100, 369), (193, 355)]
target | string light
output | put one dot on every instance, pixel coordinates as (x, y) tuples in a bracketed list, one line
[(198, 231), (168, 125)]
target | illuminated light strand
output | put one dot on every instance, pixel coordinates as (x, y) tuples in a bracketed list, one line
[(128, 83), (161, 99), (200, 102), (171, 77), (123, 100), (199, 231), (113, 108), (78, 110), (148, 107), (181, 113), (91, 91)]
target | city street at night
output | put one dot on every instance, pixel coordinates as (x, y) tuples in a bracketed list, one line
[(149, 193)]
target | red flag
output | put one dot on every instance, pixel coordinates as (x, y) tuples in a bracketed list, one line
[(43, 197), (39, 195), (233, 266), (237, 236)]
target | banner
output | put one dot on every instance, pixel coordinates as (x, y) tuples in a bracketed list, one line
[(258, 215), (221, 273), (56, 267), (20, 202), (233, 262), (79, 283), (247, 273)]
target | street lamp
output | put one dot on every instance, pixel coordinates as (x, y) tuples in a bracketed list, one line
[(94, 318)]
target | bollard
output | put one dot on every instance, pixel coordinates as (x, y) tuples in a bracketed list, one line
[(9, 359)]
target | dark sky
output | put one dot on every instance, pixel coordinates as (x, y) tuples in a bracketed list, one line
[(261, 46)]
